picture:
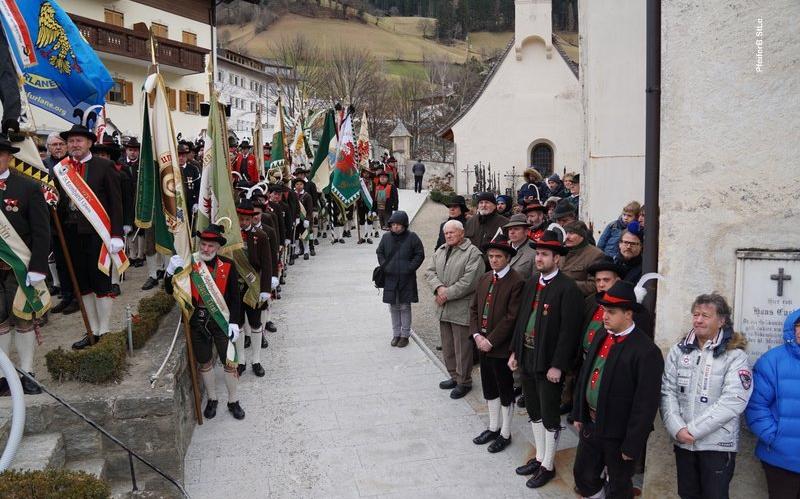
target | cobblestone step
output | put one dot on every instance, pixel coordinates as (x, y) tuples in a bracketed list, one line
[(96, 467)]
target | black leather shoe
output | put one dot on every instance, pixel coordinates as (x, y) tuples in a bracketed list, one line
[(485, 437), (341, 241), (270, 326), (324, 236), (499, 444), (282, 280), (236, 410), (258, 370), (361, 241), (306, 256), (29, 387), (291, 261), (71, 308), (395, 340), (448, 384), (115, 291), (521, 401), (313, 251), (150, 283), (369, 240), (84, 342), (459, 391), (264, 342), (540, 478), (247, 342), (402, 343), (55, 291), (159, 274), (240, 369), (334, 241), (61, 306), (316, 242), (565, 409), (211, 409), (528, 468)]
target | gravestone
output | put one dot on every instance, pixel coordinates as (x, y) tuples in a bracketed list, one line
[(767, 290)]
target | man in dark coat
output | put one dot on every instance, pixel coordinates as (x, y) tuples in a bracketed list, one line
[(256, 244), (456, 210), (616, 398), (400, 253), (57, 150), (267, 221), (303, 220), (493, 312), (544, 347), (24, 208), (130, 161), (85, 244), (630, 253), (206, 332), (481, 228), (190, 173)]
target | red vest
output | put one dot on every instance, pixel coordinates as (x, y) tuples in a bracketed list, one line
[(220, 273)]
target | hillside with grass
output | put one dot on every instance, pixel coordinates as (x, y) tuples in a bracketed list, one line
[(403, 44)]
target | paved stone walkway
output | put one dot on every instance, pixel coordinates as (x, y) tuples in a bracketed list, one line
[(340, 412)]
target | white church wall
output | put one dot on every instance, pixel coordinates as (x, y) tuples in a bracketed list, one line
[(528, 100), (613, 80), (729, 174)]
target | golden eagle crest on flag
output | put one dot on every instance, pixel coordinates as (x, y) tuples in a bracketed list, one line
[(60, 55)]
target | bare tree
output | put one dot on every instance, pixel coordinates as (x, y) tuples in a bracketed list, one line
[(350, 73), (302, 73)]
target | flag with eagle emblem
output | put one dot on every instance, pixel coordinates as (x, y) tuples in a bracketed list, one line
[(61, 72), (345, 181)]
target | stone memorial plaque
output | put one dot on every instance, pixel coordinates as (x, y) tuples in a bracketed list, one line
[(767, 290)]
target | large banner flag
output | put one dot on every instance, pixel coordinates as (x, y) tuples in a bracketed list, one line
[(345, 181), (28, 162), (279, 167), (364, 147), (217, 199), (326, 154), (258, 145), (61, 72), (299, 145)]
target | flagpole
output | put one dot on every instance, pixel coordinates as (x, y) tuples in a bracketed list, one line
[(187, 333), (71, 271)]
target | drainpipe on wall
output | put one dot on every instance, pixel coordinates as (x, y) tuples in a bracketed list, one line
[(652, 150)]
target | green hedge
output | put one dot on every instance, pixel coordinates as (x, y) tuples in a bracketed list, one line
[(48, 484), (105, 361), (442, 197)]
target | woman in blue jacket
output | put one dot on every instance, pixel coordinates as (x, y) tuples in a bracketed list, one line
[(773, 413)]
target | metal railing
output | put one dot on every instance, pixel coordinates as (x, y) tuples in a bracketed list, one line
[(131, 453)]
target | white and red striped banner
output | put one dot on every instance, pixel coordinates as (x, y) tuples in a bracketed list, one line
[(87, 203)]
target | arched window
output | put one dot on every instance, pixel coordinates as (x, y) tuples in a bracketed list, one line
[(542, 158)]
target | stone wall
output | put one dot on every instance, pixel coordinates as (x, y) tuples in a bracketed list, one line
[(729, 175), (157, 423), (431, 168)]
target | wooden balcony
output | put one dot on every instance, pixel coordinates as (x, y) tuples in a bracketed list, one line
[(135, 44)]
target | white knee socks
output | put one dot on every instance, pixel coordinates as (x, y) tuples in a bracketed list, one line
[(255, 347), (54, 274), (231, 383), (210, 382), (25, 344), (103, 306), (90, 304), (551, 441), (508, 412), (240, 346), (152, 266), (538, 439), (494, 414)]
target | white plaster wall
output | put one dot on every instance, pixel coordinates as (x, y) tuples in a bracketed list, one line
[(137, 13), (729, 168), (128, 117), (527, 100), (613, 79)]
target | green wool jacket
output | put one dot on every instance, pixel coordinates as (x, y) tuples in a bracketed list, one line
[(460, 274)]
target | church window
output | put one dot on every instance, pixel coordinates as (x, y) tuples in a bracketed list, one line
[(542, 158)]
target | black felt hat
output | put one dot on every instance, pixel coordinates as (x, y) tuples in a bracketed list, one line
[(621, 295), (550, 240), (245, 207), (564, 209), (79, 130), (605, 264), (458, 201), (502, 243), (214, 232), (133, 143), (6, 145)]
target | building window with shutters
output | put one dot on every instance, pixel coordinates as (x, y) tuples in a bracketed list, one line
[(121, 92), (190, 101), (115, 18), (160, 30), (189, 38)]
